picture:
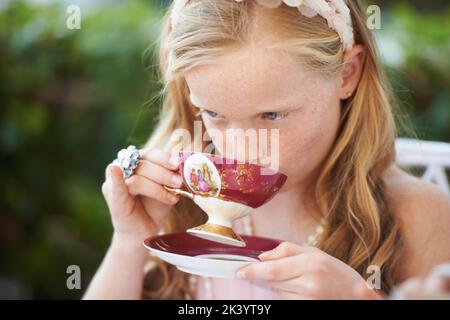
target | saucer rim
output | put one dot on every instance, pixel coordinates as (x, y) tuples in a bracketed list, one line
[(200, 266), (196, 257), (208, 267)]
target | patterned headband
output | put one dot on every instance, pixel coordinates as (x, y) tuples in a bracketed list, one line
[(336, 12)]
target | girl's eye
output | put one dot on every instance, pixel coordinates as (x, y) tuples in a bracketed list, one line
[(212, 114), (274, 116)]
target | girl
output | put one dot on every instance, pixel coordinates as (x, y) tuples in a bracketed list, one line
[(308, 69)]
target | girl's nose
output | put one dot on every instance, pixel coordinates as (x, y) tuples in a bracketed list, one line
[(241, 142)]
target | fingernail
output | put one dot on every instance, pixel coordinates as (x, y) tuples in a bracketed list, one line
[(240, 274), (174, 161), (265, 254), (176, 179)]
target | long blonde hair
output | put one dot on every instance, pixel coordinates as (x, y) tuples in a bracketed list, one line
[(360, 229)]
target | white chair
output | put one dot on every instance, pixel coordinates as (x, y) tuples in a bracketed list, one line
[(432, 156)]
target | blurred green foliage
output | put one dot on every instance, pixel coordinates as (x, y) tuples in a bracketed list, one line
[(420, 75), (69, 99)]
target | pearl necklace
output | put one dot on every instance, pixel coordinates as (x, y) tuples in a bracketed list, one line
[(248, 229)]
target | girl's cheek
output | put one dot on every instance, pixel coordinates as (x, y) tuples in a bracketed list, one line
[(303, 147)]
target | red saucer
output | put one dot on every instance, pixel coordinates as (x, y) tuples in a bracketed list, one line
[(185, 244), (207, 258)]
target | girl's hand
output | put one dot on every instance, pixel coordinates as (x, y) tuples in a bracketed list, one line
[(300, 272), (139, 205)]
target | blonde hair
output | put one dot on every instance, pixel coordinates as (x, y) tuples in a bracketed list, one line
[(360, 230)]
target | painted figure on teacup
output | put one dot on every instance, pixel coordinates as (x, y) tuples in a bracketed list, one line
[(203, 177)]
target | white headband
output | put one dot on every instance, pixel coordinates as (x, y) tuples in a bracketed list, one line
[(336, 12)]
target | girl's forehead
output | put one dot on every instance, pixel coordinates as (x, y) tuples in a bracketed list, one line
[(251, 78)]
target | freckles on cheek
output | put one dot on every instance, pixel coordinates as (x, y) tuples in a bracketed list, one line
[(310, 141), (297, 145)]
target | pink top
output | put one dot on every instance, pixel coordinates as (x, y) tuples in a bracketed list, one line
[(232, 289)]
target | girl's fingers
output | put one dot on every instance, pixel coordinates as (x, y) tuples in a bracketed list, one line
[(119, 188), (119, 197), (139, 185), (280, 269), (105, 190), (160, 157), (289, 289), (287, 295), (159, 174), (362, 292), (285, 249), (285, 285)]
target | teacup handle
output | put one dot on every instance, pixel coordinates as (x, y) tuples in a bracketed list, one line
[(180, 192)]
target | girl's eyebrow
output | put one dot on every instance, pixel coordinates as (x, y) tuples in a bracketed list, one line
[(290, 109), (286, 108), (201, 109), (283, 109), (194, 104)]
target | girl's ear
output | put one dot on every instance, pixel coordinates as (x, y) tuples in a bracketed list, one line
[(351, 71)]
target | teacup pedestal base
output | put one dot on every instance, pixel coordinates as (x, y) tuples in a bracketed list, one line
[(217, 233)]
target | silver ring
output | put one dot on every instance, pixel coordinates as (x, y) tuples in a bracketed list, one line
[(127, 160)]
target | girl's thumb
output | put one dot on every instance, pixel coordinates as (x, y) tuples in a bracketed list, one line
[(119, 190)]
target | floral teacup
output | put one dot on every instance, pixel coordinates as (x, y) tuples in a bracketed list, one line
[(226, 190)]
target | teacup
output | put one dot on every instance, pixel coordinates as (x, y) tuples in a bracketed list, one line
[(226, 190)]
